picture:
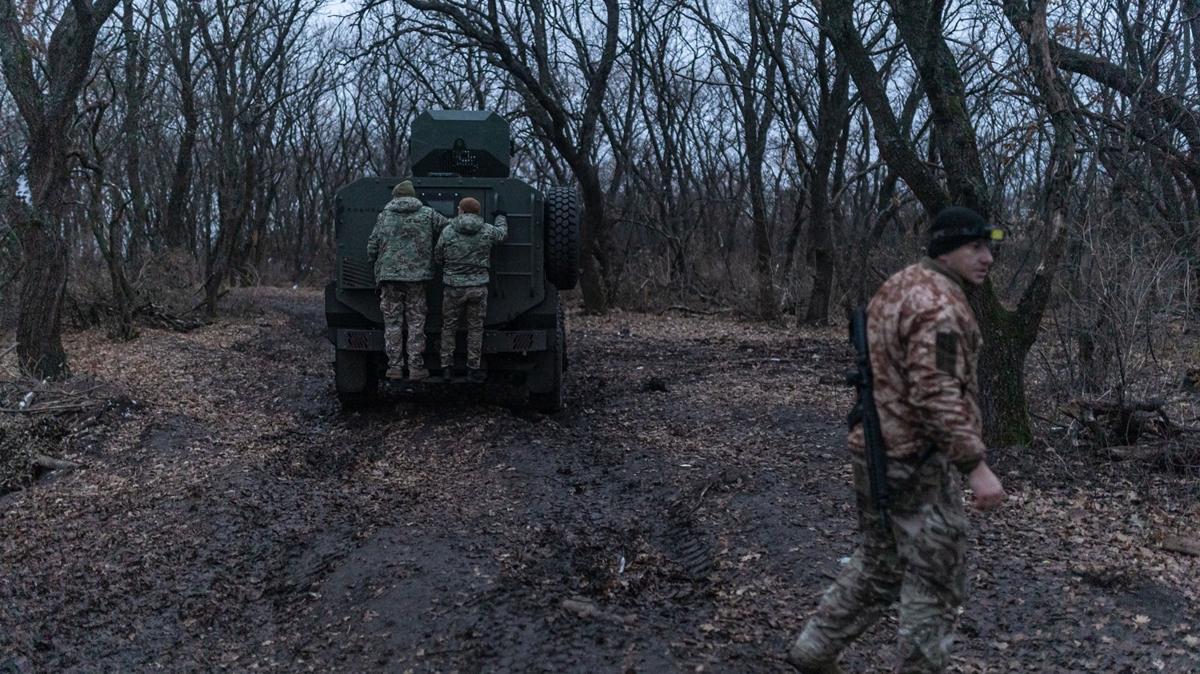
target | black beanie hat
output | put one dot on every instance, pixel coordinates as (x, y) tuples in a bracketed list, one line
[(956, 226)]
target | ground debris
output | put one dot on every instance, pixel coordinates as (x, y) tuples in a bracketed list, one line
[(233, 518)]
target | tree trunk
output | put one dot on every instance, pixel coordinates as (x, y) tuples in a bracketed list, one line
[(834, 107), (49, 115), (768, 306), (131, 130), (177, 222), (1002, 369), (593, 244), (43, 284), (44, 277)]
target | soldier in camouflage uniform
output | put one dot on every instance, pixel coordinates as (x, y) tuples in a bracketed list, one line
[(401, 248), (924, 344), (464, 249)]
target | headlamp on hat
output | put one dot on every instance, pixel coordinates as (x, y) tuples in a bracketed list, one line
[(970, 232)]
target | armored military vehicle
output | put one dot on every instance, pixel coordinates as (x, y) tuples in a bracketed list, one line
[(455, 154)]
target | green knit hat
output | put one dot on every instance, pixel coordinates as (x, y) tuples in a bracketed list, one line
[(404, 189)]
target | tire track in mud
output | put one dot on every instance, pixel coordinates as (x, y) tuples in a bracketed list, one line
[(578, 511)]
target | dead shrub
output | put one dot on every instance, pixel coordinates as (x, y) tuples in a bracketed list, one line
[(1115, 353)]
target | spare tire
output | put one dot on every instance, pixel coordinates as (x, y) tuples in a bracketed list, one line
[(562, 237)]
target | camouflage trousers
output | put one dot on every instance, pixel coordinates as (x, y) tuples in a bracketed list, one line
[(403, 303), (919, 561), (456, 300)]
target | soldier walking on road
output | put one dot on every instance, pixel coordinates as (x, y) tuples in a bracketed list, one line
[(464, 249), (924, 343), (401, 248)]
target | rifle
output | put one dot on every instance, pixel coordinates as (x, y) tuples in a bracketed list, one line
[(865, 412)]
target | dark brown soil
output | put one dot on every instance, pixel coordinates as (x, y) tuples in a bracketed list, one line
[(683, 514)]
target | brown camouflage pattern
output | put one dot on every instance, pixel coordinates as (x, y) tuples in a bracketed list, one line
[(403, 303), (924, 345), (919, 562), (455, 301)]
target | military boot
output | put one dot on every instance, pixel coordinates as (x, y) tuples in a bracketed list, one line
[(395, 372), (417, 374), (476, 375)]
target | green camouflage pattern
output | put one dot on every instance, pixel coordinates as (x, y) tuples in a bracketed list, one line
[(401, 244), (465, 247), (919, 562), (403, 303), (457, 300)]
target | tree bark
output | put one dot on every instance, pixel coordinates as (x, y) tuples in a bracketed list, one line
[(50, 118), (178, 232), (135, 65)]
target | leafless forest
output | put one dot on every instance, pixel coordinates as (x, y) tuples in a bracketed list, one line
[(762, 163), (773, 158)]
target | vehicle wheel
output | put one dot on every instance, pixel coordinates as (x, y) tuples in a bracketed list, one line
[(552, 401), (562, 237), (355, 378)]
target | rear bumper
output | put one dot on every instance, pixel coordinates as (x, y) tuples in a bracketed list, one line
[(494, 341)]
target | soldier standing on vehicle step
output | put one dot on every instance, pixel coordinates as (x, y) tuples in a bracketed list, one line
[(924, 343), (401, 249), (464, 249)]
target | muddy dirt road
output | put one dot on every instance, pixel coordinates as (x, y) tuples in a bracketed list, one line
[(682, 514)]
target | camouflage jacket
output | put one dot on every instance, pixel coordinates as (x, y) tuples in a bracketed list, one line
[(925, 345), (465, 249), (401, 245)]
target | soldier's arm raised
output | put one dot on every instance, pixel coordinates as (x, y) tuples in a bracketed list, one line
[(501, 227), (439, 249), (373, 241), (935, 366), (437, 222)]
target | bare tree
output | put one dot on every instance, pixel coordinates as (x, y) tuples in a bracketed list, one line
[(47, 105), (752, 76), (107, 204), (247, 45), (178, 30)]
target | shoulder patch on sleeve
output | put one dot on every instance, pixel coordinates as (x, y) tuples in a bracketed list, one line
[(947, 352)]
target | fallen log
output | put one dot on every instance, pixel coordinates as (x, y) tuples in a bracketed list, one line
[(51, 409), (1122, 422), (155, 315), (50, 463), (1111, 407), (1187, 546), (1134, 453), (684, 309)]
